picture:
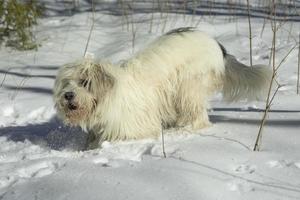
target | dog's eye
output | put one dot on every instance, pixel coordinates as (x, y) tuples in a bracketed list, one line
[(83, 82)]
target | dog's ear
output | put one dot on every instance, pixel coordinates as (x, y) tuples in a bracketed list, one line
[(104, 77)]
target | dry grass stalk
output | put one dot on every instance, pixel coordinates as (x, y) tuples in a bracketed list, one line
[(184, 8), (19, 87), (152, 16), (91, 29), (163, 142), (194, 11), (290, 31), (124, 15), (298, 74), (133, 31), (270, 97), (285, 57), (250, 32), (4, 78), (263, 27)]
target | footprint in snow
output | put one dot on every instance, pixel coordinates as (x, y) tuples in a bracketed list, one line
[(37, 170), (104, 162), (297, 164), (239, 186), (245, 169), (10, 111), (7, 181), (279, 163)]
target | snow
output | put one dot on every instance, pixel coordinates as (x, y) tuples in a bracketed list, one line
[(40, 158)]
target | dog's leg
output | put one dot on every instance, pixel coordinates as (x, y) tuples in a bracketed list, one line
[(201, 120), (92, 141), (192, 105), (197, 117)]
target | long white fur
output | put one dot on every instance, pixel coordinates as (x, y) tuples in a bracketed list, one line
[(166, 84)]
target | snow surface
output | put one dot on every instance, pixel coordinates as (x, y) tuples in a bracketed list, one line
[(40, 158)]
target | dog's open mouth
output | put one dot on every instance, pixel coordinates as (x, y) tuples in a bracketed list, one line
[(72, 106)]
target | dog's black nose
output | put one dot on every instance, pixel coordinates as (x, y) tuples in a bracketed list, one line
[(69, 96)]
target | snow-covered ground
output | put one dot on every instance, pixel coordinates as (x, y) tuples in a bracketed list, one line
[(40, 158)]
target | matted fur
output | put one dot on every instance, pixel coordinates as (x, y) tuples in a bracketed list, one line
[(166, 84)]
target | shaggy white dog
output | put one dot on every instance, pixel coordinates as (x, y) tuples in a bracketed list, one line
[(167, 84)]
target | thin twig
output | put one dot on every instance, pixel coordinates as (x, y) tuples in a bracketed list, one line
[(290, 31), (284, 58), (263, 28), (194, 11), (3, 80), (163, 141), (298, 74), (91, 30), (19, 86), (152, 16), (133, 31), (184, 3), (274, 94), (270, 98), (263, 121), (271, 52), (250, 32)]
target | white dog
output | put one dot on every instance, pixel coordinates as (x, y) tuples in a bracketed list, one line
[(167, 84)]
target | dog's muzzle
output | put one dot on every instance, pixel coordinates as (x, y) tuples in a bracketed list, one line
[(72, 106), (69, 97)]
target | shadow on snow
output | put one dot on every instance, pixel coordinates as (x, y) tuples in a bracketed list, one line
[(55, 135)]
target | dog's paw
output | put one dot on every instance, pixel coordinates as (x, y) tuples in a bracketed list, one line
[(200, 124)]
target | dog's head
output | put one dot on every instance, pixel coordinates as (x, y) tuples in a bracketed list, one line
[(79, 88)]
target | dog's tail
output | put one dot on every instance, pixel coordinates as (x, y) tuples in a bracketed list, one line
[(244, 82)]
